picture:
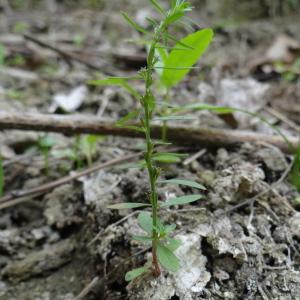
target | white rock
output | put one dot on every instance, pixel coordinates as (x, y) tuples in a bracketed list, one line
[(70, 102)]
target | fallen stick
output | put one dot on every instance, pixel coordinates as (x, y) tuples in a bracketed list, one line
[(183, 135), (16, 197)]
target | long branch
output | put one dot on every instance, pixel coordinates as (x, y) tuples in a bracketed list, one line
[(184, 135)]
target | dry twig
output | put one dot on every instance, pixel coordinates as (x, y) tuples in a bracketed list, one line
[(16, 197), (184, 135)]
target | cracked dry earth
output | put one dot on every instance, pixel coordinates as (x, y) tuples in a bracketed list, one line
[(228, 252), (54, 245), (245, 253)]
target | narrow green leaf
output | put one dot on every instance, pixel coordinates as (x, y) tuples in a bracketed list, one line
[(166, 158), (173, 244), (167, 258), (116, 81), (174, 18), (178, 11), (112, 80), (131, 166), (199, 41), (170, 48), (170, 153), (177, 68), (161, 143), (152, 22), (128, 205), (133, 23), (217, 109), (181, 200), (145, 221), (187, 23), (179, 42), (142, 238), (157, 6), (132, 127), (184, 182), (130, 116), (136, 273), (174, 118)]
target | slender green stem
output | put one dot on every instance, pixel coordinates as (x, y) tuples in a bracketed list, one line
[(153, 194), (152, 170)]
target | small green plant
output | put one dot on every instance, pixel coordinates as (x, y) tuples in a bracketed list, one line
[(45, 143), (184, 53), (82, 152), (86, 145), (78, 39), (20, 27), (17, 60), (289, 73), (295, 172), (15, 95)]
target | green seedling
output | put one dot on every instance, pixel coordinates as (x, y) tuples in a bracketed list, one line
[(78, 40), (17, 60), (289, 73), (87, 146), (45, 143), (73, 153), (20, 27), (156, 233), (15, 95), (295, 173)]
